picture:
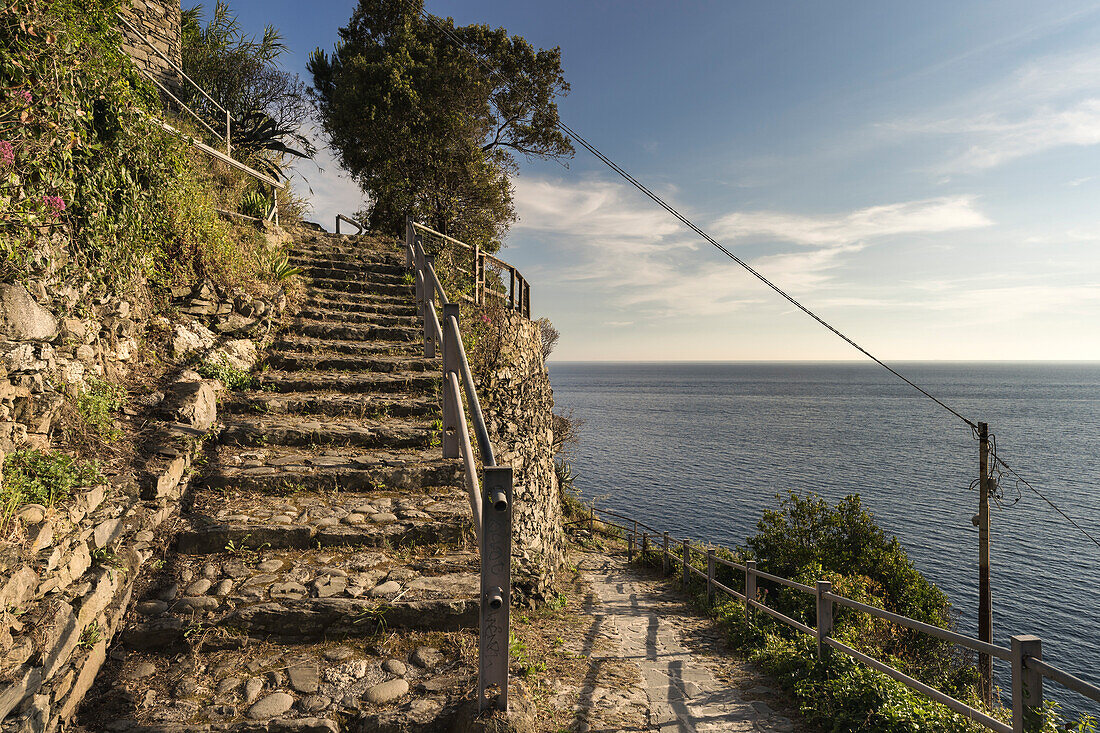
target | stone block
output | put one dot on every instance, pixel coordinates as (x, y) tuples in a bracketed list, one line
[(22, 318)]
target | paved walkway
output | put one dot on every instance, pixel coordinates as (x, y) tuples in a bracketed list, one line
[(689, 683)]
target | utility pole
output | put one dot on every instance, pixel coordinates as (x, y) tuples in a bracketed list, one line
[(985, 597)]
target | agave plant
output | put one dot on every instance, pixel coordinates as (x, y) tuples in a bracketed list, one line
[(255, 204), (281, 269), (259, 139)]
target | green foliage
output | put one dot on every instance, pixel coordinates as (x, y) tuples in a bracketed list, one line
[(255, 204), (282, 270), (47, 478), (232, 377), (97, 406), (92, 182), (425, 129)]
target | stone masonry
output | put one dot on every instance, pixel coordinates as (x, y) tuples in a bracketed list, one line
[(159, 21)]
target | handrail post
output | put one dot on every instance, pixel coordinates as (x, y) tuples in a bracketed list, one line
[(664, 554), (481, 279), (750, 587), (408, 241), (824, 617), (451, 401), (1027, 685), (474, 270), (630, 543), (684, 559), (710, 576), (428, 261), (228, 132), (645, 544), (512, 287), (496, 585)]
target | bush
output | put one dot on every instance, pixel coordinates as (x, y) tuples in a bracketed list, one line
[(90, 185), (97, 406)]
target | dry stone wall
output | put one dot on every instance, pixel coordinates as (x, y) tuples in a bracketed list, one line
[(159, 21), (518, 404)]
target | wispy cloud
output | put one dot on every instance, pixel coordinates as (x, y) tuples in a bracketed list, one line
[(328, 188), (929, 215), (607, 234), (1046, 103)]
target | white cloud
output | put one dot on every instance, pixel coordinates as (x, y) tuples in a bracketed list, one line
[(1046, 103), (610, 238), (327, 187), (930, 215)]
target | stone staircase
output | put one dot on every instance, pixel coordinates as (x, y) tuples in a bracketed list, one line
[(324, 576)]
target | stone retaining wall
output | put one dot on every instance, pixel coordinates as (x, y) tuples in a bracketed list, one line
[(65, 590), (518, 405), (159, 21)]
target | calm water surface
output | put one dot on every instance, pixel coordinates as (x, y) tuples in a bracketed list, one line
[(702, 449)]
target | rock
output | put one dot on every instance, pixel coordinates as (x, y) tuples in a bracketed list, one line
[(199, 587), (187, 687), (385, 589), (386, 691), (151, 608), (274, 704), (395, 667), (229, 685), (223, 588), (194, 404), (337, 654), (426, 657), (189, 338), (31, 513), (270, 566), (22, 318), (355, 518), (239, 353), (169, 593), (252, 688), (304, 677), (348, 673), (74, 330), (330, 586), (315, 703), (290, 590), (85, 354), (141, 670), (195, 603), (383, 517)]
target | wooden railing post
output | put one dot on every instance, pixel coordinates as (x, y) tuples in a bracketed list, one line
[(750, 587), (1027, 685), (684, 558), (228, 134), (408, 241), (710, 576), (512, 287), (824, 617), (477, 278), (664, 554), (630, 544), (645, 544), (451, 400)]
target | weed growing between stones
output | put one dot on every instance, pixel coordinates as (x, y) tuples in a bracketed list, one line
[(233, 378), (42, 477), (97, 406)]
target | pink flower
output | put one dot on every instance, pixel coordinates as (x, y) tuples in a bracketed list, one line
[(27, 99), (7, 153), (55, 205), (486, 318)]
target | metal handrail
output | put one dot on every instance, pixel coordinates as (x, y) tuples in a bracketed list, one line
[(1025, 654), (518, 293), (353, 222)]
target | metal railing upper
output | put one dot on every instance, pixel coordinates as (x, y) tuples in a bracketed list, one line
[(1024, 654), (491, 498), (517, 293), (225, 138)]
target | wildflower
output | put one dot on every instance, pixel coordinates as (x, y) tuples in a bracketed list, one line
[(486, 318), (55, 205), (7, 153), (27, 99)]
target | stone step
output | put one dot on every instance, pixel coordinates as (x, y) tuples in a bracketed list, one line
[(321, 361), (300, 595), (329, 403), (414, 684), (384, 265), (314, 312), (393, 307), (361, 286), (321, 329), (291, 342), (382, 272), (249, 520), (255, 430), (336, 296), (275, 469), (349, 252), (420, 383)]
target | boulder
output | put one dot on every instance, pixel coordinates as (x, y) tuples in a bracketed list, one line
[(22, 318), (187, 338)]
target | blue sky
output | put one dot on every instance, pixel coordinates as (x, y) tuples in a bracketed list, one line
[(924, 175)]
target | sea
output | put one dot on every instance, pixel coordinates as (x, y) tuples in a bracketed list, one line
[(702, 449)]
